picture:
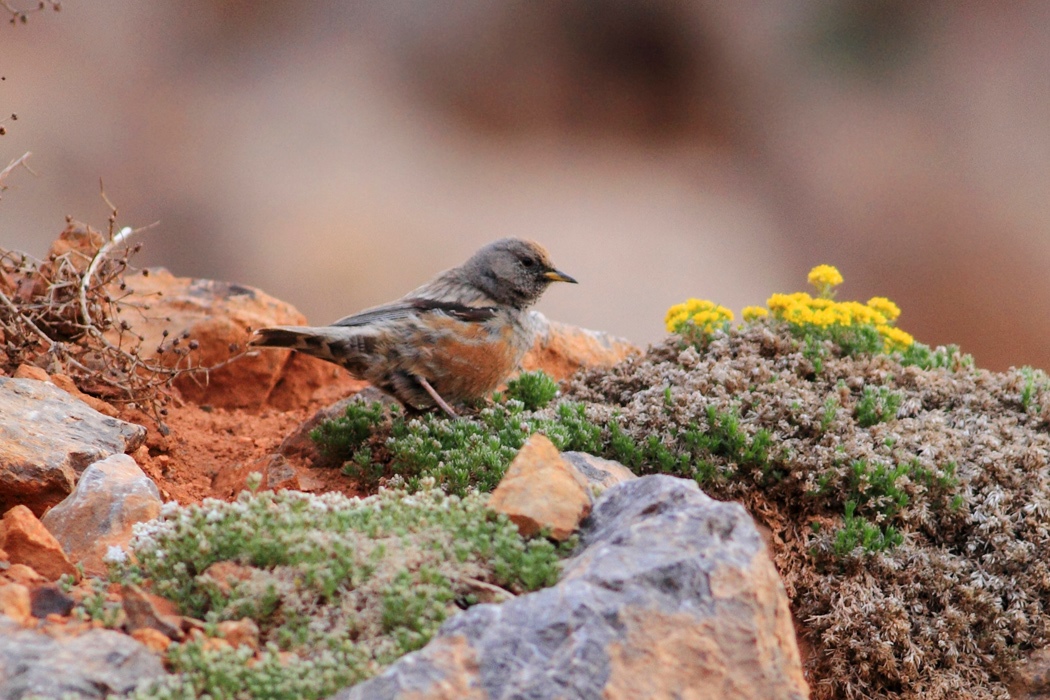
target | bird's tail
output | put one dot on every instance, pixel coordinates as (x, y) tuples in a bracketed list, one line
[(327, 343)]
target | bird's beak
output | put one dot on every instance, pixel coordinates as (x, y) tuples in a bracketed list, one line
[(558, 276)]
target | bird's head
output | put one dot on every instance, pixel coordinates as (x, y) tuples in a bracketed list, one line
[(512, 271)]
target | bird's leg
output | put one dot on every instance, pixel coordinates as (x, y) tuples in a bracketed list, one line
[(437, 399)]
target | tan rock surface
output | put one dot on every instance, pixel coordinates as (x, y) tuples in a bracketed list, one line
[(47, 438), (112, 495), (542, 490), (28, 542), (600, 473), (276, 472), (218, 316), (15, 602), (562, 349)]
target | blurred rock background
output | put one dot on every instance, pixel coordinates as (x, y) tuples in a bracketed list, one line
[(339, 153)]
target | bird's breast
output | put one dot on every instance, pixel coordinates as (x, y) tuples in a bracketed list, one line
[(467, 360)]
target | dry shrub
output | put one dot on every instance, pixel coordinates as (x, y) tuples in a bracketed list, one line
[(959, 471), (72, 314)]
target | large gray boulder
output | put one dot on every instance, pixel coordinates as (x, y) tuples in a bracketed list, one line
[(671, 596)]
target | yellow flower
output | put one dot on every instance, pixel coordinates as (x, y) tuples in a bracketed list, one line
[(676, 316), (824, 276), (753, 313), (703, 313), (895, 338), (798, 314), (884, 306), (782, 302)]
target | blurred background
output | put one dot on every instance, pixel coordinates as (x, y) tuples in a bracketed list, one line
[(337, 153)]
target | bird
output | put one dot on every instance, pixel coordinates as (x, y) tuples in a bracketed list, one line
[(456, 338)]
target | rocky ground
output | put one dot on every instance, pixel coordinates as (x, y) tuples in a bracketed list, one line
[(878, 529)]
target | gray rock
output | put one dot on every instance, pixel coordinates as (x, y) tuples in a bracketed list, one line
[(671, 595), (47, 438), (111, 496), (95, 664), (600, 473)]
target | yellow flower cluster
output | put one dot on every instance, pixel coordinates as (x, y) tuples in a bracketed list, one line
[(885, 307), (705, 315), (822, 312), (753, 313), (824, 277), (894, 338), (802, 311)]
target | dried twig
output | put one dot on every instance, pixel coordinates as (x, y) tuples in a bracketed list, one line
[(68, 314), (12, 165), (15, 310), (497, 593), (22, 16)]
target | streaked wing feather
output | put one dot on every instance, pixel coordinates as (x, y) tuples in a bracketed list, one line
[(408, 307)]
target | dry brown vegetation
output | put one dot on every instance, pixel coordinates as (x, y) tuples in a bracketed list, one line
[(73, 314), (934, 582)]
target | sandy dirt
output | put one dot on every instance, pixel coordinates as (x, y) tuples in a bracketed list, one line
[(205, 442)]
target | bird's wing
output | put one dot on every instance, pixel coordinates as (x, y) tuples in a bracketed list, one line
[(404, 308)]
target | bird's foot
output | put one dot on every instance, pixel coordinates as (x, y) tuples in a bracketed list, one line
[(437, 398)]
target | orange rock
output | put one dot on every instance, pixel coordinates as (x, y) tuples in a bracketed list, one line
[(31, 372), (542, 490), (561, 349), (240, 633), (218, 316), (41, 458), (28, 542), (81, 241), (227, 574), (155, 641), (215, 644), (147, 611), (14, 602), (26, 575), (277, 473)]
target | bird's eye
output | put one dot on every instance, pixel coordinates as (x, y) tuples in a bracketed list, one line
[(528, 262)]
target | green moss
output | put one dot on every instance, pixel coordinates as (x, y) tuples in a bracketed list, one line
[(857, 532), (534, 389), (342, 586), (235, 674), (345, 434), (1035, 382), (470, 452), (924, 357), (876, 405)]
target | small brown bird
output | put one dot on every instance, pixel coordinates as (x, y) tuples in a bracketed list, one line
[(454, 339)]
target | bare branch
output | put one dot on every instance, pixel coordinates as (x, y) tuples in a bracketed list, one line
[(14, 309), (69, 313), (12, 165), (22, 16)]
